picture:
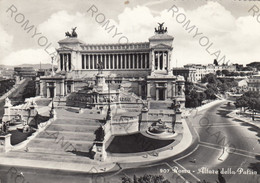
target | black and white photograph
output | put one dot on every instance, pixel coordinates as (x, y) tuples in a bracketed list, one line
[(130, 91)]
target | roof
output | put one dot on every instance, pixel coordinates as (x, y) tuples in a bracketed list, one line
[(71, 40), (161, 36)]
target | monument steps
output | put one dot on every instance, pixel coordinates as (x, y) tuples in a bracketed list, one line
[(52, 135), (72, 128), (69, 131), (50, 146), (64, 157), (76, 122)]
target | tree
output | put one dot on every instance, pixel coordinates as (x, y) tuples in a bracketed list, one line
[(146, 179), (210, 93), (225, 72), (30, 90), (242, 74), (250, 100), (218, 72), (126, 180), (241, 103), (224, 87), (202, 97), (209, 78)]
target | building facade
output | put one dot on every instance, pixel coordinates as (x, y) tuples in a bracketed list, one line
[(189, 74), (141, 68), (254, 83), (202, 70), (25, 72)]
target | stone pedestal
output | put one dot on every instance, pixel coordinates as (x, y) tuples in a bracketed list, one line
[(7, 110), (5, 143), (100, 152), (178, 117), (101, 84)]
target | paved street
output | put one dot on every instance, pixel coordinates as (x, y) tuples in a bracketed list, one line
[(214, 131)]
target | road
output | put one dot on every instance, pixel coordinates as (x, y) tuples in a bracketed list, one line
[(222, 143), (219, 142)]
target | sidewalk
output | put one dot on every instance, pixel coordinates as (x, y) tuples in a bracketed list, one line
[(189, 111), (243, 118)]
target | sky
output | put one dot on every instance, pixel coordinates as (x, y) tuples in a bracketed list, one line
[(223, 30)]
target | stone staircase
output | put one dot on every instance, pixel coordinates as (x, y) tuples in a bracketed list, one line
[(60, 137)]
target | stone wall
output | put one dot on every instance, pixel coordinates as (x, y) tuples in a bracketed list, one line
[(23, 112)]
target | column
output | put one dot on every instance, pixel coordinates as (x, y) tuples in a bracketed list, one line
[(156, 93), (113, 61), (145, 60), (48, 91), (121, 60), (160, 60), (129, 61), (101, 60), (137, 60), (54, 90), (61, 62), (95, 61), (157, 60), (82, 62), (88, 61), (140, 89), (148, 90), (72, 87), (116, 62), (125, 60), (152, 61), (173, 90), (109, 62), (67, 63), (64, 61), (41, 88), (133, 60), (105, 61), (165, 92), (69, 55), (164, 61), (168, 62), (62, 88), (142, 60), (92, 61)]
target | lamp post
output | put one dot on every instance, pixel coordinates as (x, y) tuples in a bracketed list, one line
[(52, 69), (253, 111), (109, 109)]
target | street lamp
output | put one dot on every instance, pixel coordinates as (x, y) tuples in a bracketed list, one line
[(109, 109), (52, 69)]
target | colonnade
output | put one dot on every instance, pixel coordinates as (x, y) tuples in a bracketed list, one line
[(161, 60), (65, 62), (115, 61)]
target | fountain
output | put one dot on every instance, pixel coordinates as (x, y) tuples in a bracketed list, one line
[(158, 127)]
